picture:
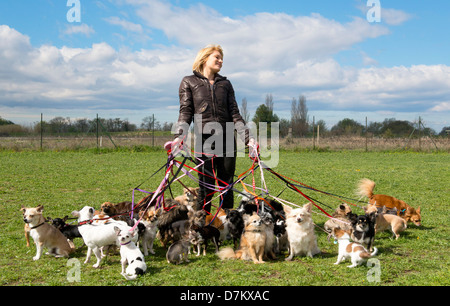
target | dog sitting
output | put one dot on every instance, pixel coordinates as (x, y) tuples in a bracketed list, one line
[(189, 197), (96, 236), (200, 235), (178, 251), (300, 230), (366, 187), (281, 237), (341, 218), (353, 250), (269, 248), (386, 221), (363, 230), (220, 222), (252, 242), (68, 230), (248, 206), (149, 219), (175, 213), (130, 254), (45, 235), (235, 225)]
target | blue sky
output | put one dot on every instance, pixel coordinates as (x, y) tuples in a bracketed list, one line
[(126, 57)]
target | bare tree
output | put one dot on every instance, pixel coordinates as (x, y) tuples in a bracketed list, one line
[(244, 111), (299, 116), (269, 102)]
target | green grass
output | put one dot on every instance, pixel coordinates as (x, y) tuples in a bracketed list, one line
[(65, 181)]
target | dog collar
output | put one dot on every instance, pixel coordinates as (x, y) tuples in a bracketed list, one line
[(254, 231), (37, 225), (125, 243)]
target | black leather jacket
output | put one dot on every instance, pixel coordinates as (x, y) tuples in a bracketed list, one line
[(215, 103)]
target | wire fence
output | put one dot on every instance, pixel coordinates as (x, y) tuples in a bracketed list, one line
[(98, 136), (111, 141)]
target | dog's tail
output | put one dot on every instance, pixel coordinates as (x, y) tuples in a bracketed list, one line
[(227, 253), (365, 188), (368, 255)]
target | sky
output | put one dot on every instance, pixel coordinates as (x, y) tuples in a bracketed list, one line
[(125, 58)]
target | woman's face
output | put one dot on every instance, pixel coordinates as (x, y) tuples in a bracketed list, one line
[(214, 62)]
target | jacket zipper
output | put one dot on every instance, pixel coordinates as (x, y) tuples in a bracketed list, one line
[(211, 88)]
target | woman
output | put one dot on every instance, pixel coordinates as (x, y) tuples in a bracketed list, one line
[(207, 98)]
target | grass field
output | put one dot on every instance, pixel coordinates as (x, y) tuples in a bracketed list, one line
[(63, 182)]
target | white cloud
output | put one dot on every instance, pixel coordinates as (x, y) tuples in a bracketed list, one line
[(441, 107), (79, 29), (275, 53), (394, 17), (127, 25)]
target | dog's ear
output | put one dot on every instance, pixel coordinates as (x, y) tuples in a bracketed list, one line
[(117, 230), (75, 213), (287, 209), (40, 208), (308, 207), (65, 218), (23, 208), (418, 210)]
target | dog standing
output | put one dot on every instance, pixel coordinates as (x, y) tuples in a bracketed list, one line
[(252, 242), (130, 253), (203, 234), (353, 250), (366, 187), (386, 221), (45, 235), (300, 230), (96, 236)]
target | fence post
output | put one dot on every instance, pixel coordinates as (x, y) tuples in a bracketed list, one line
[(153, 130), (97, 136), (314, 135), (420, 134), (42, 128), (366, 134)]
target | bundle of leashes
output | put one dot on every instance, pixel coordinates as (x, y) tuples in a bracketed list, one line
[(172, 174)]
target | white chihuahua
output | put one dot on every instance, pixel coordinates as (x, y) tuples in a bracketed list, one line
[(130, 253), (300, 230), (96, 236)]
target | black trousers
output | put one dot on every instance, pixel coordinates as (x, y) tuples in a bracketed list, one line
[(224, 166)]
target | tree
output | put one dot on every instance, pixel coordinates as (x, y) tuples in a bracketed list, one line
[(347, 127), (396, 128), (147, 123), (264, 114), (244, 111), (299, 117), (269, 102), (5, 122)]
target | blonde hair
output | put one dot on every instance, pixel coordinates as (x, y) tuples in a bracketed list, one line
[(203, 55)]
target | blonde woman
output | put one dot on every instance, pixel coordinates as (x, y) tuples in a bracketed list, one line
[(208, 99)]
